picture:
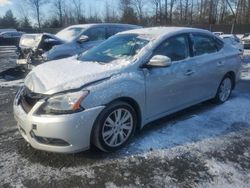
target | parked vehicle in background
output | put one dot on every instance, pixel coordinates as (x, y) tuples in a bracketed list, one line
[(218, 33), (246, 40), (37, 48), (5, 30), (234, 41), (10, 38), (111, 90)]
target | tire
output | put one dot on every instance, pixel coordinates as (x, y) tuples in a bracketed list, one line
[(224, 90), (114, 127)]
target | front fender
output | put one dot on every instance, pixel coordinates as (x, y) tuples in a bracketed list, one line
[(130, 85)]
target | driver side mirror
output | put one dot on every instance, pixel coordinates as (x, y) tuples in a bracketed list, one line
[(159, 61), (50, 40), (83, 38)]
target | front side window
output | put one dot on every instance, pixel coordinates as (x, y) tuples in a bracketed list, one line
[(176, 48), (113, 30), (204, 44), (70, 34), (124, 46), (95, 34)]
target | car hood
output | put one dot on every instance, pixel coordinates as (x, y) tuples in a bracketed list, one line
[(66, 74)]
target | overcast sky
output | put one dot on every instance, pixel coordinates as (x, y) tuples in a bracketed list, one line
[(15, 5)]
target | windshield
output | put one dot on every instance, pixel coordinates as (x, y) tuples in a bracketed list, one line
[(117, 47), (70, 34)]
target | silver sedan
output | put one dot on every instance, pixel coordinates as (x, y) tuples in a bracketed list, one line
[(102, 96)]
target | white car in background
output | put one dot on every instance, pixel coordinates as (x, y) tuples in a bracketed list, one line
[(246, 40), (234, 41), (218, 33)]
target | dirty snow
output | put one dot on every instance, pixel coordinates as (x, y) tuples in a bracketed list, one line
[(4, 83)]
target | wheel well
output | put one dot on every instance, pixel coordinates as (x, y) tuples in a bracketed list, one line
[(136, 107), (231, 74)]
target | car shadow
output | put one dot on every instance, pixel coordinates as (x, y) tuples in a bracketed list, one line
[(14, 73)]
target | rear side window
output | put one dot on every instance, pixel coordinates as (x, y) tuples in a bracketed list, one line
[(95, 34), (176, 48), (204, 44)]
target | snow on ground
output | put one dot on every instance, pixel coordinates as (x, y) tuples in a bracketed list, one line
[(4, 83), (197, 127)]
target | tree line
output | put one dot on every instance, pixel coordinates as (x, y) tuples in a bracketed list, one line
[(142, 12)]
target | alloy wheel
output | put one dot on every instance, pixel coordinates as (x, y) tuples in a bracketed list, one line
[(117, 127)]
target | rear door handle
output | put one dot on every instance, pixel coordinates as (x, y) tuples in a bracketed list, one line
[(189, 72)]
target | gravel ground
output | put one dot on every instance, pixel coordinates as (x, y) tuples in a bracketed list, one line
[(203, 146)]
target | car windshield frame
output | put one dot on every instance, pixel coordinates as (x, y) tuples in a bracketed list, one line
[(118, 47), (65, 34)]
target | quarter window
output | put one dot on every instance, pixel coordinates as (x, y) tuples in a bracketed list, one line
[(204, 45), (176, 48)]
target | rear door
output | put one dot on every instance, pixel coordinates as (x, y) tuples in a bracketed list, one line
[(210, 62)]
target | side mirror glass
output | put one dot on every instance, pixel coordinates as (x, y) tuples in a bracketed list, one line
[(83, 38), (159, 61)]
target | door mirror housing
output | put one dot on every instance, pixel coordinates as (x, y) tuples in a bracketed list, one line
[(159, 61), (50, 40), (83, 38)]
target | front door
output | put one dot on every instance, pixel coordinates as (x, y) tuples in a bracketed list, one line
[(171, 88)]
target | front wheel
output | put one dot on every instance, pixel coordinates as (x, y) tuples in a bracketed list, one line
[(224, 91), (114, 126)]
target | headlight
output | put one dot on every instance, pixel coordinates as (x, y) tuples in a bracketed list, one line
[(64, 104)]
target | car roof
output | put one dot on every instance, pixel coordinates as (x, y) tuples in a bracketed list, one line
[(156, 32), (104, 24), (11, 32)]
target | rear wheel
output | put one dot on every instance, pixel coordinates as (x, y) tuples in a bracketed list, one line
[(224, 91), (114, 127)]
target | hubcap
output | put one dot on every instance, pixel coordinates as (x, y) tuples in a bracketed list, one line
[(225, 89), (117, 127)]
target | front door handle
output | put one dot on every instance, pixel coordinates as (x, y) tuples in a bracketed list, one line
[(189, 72)]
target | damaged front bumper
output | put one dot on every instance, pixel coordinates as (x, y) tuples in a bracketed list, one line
[(31, 49)]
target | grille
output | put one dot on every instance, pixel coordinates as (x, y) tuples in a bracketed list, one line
[(28, 99)]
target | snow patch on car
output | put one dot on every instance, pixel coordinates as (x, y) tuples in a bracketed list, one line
[(66, 74)]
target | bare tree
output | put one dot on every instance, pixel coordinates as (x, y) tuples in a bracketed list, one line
[(36, 6), (171, 11), (127, 12), (78, 9), (59, 6), (139, 5)]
